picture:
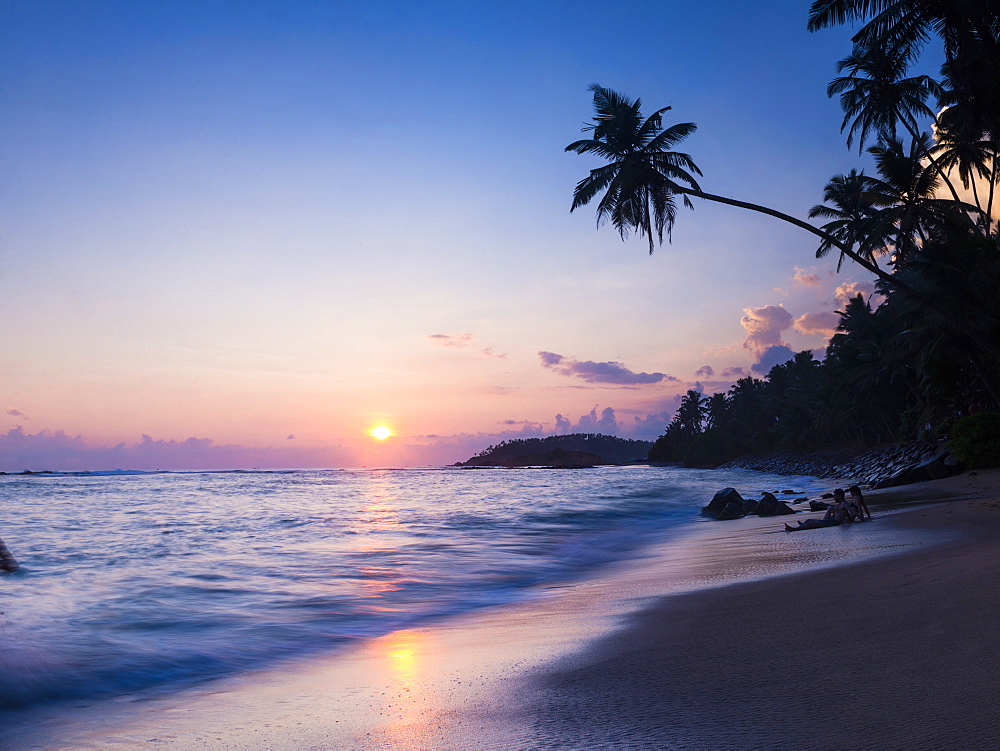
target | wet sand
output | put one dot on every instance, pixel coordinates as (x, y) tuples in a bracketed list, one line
[(878, 635)]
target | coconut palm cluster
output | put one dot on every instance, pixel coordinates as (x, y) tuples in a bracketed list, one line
[(922, 221)]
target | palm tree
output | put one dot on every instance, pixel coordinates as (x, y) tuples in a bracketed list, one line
[(973, 158), (856, 202), (875, 96), (908, 188), (642, 175), (968, 29)]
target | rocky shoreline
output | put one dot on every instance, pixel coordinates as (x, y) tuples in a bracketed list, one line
[(880, 467)]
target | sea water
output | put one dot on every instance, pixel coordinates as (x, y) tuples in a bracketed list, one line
[(155, 581)]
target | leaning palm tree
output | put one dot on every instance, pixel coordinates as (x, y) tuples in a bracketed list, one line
[(642, 178), (642, 174)]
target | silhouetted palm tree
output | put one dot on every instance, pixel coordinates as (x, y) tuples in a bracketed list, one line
[(968, 29), (875, 96), (975, 161), (853, 215), (643, 175), (908, 188)]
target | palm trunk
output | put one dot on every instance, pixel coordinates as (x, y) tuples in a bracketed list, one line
[(846, 250), (989, 201)]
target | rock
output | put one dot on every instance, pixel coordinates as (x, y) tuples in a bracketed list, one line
[(731, 511), (718, 503), (7, 561), (818, 505), (749, 506), (771, 506)]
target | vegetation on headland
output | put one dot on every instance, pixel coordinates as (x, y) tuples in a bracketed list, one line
[(923, 224), (573, 448)]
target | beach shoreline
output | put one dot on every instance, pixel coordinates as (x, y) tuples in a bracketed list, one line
[(662, 652)]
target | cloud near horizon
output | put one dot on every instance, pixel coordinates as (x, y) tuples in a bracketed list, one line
[(59, 452), (599, 372)]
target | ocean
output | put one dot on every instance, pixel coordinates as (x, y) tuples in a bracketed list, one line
[(156, 581)]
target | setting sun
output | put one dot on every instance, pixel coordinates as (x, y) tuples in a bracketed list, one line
[(381, 432)]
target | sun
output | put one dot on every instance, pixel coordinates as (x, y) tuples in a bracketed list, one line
[(381, 432)]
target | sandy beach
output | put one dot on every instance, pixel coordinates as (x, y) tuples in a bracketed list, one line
[(880, 635)]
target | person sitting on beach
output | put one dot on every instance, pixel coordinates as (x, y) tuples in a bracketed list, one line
[(859, 501), (838, 513)]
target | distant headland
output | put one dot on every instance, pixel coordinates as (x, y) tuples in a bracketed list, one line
[(562, 451)]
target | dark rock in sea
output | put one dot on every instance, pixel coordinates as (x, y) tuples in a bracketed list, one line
[(819, 505), (719, 501), (7, 561), (771, 506), (827, 495), (749, 506)]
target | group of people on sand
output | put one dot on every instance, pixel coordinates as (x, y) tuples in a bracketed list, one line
[(842, 510)]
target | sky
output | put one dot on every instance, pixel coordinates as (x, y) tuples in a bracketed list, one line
[(244, 233)]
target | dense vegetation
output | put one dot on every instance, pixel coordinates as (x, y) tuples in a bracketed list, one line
[(610, 448), (923, 223)]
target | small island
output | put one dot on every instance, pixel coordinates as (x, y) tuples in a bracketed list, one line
[(572, 451)]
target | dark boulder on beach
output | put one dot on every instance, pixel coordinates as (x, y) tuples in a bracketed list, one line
[(719, 502), (819, 505), (771, 506), (732, 510)]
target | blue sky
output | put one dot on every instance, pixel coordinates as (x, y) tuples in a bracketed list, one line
[(277, 224)]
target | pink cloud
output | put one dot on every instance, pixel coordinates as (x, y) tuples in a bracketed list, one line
[(824, 323), (764, 327), (807, 278), (464, 341)]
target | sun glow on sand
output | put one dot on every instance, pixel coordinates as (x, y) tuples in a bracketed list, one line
[(381, 432)]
